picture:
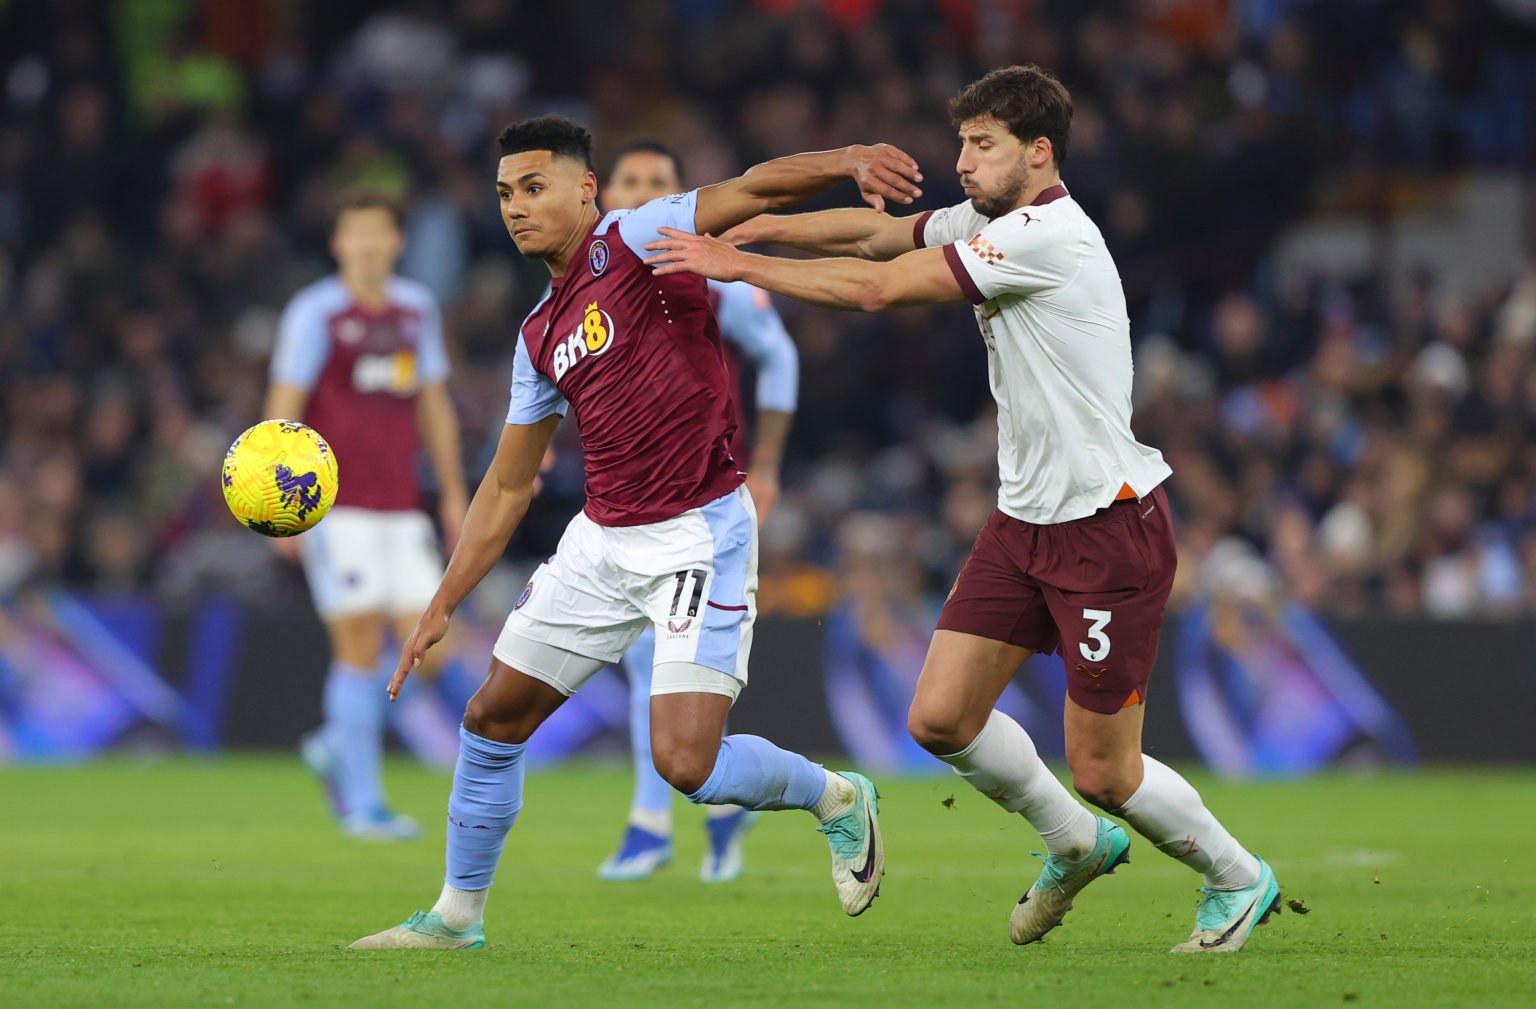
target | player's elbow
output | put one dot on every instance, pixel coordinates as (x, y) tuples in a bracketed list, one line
[(874, 296)]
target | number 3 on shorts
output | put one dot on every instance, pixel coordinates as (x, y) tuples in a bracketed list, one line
[(1100, 650)]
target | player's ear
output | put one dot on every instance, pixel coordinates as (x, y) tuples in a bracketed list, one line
[(589, 187), (1040, 152)]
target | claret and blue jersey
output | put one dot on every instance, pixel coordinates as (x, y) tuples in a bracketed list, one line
[(363, 368), (639, 359)]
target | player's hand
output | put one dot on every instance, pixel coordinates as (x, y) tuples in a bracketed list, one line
[(764, 488), (884, 173), (429, 631), (680, 252)]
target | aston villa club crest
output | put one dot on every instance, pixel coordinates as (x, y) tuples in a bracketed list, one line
[(350, 331), (597, 256)]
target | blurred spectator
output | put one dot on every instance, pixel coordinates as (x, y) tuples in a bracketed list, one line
[(166, 177)]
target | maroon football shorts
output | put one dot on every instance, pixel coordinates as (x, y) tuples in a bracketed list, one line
[(1095, 588)]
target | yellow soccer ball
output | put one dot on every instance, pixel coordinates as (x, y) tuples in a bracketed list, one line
[(280, 478)]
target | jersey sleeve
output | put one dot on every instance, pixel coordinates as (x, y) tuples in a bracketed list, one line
[(431, 350), (748, 319), (639, 227), (1018, 254), (534, 396), (302, 345), (951, 224)]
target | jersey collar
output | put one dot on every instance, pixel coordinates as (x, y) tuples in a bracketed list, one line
[(1050, 195)]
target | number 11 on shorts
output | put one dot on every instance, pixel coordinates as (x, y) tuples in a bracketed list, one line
[(699, 578), (1098, 620)]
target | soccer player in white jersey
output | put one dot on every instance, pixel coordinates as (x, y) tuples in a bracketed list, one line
[(360, 358), (1079, 555), (643, 171)]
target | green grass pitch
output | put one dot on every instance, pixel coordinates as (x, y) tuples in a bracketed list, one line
[(222, 884)]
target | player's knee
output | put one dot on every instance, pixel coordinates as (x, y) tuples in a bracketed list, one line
[(1103, 784), (486, 720), (936, 729), (684, 768)]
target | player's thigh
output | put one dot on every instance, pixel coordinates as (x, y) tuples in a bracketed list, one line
[(344, 564), (357, 640), (510, 705), (994, 619), (961, 680), (687, 720), (573, 618), (695, 579)]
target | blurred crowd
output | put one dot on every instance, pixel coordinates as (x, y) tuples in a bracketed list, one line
[(166, 181)]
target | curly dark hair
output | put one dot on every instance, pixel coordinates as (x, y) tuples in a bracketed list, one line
[(1030, 101), (555, 134)]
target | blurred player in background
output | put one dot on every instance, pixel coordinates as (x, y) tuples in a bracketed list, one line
[(668, 535), (360, 358), (752, 330), (1080, 553)]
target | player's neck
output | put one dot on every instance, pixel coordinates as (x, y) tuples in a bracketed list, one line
[(1037, 185), (366, 293), (561, 261)]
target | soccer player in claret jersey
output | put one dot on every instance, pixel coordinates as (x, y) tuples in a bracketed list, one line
[(642, 172), (668, 536), (360, 358), (1079, 555)]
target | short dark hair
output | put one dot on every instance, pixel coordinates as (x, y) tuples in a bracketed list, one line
[(369, 199), (555, 134), (650, 147), (1030, 101)]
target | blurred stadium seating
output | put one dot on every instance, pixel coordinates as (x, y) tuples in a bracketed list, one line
[(1317, 209)]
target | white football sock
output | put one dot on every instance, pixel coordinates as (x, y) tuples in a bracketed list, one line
[(720, 812), (1002, 764), (1167, 811), (655, 821), (836, 800), (461, 908)]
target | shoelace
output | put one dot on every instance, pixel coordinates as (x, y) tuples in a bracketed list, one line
[(1051, 872), (1215, 902), (843, 833)]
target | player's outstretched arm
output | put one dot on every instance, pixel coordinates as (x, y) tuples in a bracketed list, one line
[(921, 277), (439, 427), (882, 172), (285, 401), (855, 231), (498, 506)]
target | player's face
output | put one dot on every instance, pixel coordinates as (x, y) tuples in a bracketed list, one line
[(993, 166), (366, 243), (640, 177), (543, 200)]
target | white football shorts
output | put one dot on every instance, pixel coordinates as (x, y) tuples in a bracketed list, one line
[(358, 560), (693, 577)]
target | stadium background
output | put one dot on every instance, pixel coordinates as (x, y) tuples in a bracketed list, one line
[(1323, 214)]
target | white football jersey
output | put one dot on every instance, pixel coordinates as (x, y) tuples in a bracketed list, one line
[(1052, 314)]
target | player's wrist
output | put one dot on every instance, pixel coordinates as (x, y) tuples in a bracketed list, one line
[(848, 164)]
